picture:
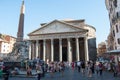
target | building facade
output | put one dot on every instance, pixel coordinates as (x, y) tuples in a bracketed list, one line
[(113, 7), (102, 48), (65, 40), (6, 43)]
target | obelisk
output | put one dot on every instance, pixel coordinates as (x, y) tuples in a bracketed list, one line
[(19, 51), (20, 33)]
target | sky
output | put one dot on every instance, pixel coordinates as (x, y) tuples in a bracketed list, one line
[(41, 11)]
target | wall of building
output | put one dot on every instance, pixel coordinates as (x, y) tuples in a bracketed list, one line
[(6, 43), (113, 7), (92, 49)]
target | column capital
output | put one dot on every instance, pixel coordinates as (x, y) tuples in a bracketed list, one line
[(52, 39), (60, 38), (44, 39), (77, 37), (36, 40), (68, 38)]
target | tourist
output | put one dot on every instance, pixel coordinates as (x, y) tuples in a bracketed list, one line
[(92, 67), (1, 72), (118, 68), (1, 64), (97, 67), (15, 71), (89, 71), (6, 73), (52, 68), (62, 67), (83, 67), (39, 71), (79, 65), (29, 71), (73, 65), (100, 68)]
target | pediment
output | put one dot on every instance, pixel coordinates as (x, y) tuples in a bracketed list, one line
[(56, 27)]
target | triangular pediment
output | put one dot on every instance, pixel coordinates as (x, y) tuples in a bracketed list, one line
[(56, 27)]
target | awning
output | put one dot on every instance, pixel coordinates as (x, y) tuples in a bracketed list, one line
[(114, 52)]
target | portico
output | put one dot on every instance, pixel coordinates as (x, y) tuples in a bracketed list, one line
[(63, 49), (59, 41)]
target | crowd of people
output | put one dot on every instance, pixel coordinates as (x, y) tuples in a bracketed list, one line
[(87, 69)]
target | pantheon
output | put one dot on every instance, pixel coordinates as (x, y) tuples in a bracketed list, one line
[(63, 40)]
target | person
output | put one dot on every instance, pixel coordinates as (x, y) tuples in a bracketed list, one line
[(62, 67), (89, 71), (29, 71), (93, 67), (1, 64), (115, 72), (79, 65), (97, 68), (1, 72), (6, 73), (52, 68), (100, 68), (83, 67), (39, 71), (15, 71), (72, 65)]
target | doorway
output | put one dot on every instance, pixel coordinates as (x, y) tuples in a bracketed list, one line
[(64, 54)]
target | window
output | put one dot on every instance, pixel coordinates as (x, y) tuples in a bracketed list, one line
[(115, 47), (115, 3), (118, 40), (113, 33), (117, 14), (117, 28)]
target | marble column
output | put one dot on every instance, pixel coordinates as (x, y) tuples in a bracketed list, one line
[(52, 53), (77, 50), (37, 48), (30, 51), (86, 49), (60, 49), (44, 50), (33, 50), (69, 50)]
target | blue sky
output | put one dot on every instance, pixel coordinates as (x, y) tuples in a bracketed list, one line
[(40, 11)]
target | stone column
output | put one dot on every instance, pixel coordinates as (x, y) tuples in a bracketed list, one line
[(86, 49), (37, 48), (30, 51), (60, 49), (44, 50), (77, 50), (33, 50), (69, 51), (52, 53)]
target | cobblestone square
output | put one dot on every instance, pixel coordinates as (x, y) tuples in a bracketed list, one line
[(70, 75)]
